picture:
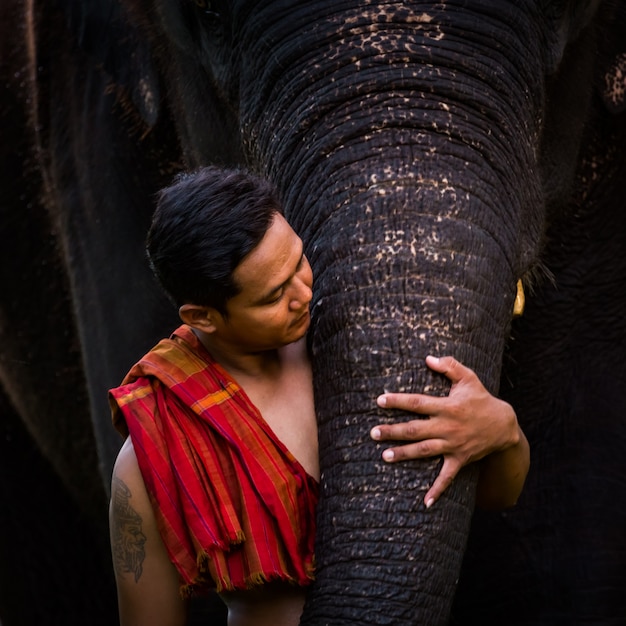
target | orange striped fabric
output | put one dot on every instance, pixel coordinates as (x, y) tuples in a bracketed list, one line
[(234, 507)]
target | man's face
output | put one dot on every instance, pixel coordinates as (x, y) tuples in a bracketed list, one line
[(272, 308)]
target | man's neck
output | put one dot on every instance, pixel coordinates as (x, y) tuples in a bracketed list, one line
[(264, 364)]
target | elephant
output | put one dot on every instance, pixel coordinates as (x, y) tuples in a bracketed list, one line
[(431, 156)]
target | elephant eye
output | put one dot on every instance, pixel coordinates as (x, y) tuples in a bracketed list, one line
[(207, 21), (208, 9)]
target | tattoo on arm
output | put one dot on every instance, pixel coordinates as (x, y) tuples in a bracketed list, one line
[(127, 538)]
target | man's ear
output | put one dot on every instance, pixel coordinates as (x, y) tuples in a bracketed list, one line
[(197, 316)]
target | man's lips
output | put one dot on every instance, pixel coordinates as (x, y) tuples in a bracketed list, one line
[(303, 317)]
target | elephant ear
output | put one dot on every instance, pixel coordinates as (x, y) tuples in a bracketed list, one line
[(104, 31), (611, 80)]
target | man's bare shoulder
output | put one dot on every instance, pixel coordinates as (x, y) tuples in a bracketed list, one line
[(147, 582), (129, 513), (126, 469)]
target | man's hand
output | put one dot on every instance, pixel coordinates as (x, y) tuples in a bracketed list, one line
[(463, 427)]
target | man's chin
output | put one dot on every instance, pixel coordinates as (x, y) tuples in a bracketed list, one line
[(301, 335), (301, 332), (303, 321)]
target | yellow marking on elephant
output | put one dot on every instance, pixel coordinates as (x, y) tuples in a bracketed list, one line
[(520, 300)]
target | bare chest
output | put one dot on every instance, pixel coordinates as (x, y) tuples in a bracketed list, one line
[(287, 407)]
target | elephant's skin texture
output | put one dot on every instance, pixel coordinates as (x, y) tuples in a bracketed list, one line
[(430, 155)]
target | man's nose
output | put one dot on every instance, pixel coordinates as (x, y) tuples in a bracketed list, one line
[(303, 294)]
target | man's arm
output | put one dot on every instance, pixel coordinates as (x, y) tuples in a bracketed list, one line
[(467, 425), (147, 581)]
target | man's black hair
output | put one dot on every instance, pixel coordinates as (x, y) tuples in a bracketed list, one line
[(204, 224)]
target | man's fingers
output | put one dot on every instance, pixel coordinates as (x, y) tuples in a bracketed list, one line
[(422, 450), (449, 470), (418, 450), (415, 430), (425, 404), (449, 366), (413, 402)]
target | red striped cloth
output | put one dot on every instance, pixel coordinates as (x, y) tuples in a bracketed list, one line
[(234, 507)]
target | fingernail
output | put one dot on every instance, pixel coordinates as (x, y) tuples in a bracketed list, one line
[(388, 455), (430, 502), (382, 400), (433, 358), (375, 434)]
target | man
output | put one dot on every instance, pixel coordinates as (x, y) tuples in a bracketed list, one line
[(217, 480)]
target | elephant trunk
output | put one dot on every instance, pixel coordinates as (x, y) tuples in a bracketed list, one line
[(392, 290), (411, 180)]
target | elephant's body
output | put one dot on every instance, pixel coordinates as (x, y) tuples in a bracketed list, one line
[(429, 156), (75, 186), (562, 547)]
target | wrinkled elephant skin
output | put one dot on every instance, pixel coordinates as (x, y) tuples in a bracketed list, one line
[(430, 155)]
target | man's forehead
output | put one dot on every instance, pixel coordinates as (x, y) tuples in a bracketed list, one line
[(272, 260)]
